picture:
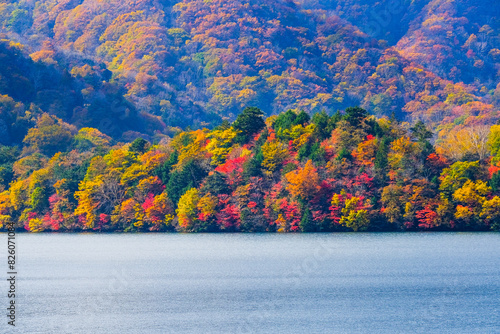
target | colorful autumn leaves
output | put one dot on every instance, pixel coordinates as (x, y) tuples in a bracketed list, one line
[(289, 173)]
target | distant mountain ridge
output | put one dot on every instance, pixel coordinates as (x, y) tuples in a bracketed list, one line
[(194, 62)]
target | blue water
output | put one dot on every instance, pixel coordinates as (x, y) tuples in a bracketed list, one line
[(257, 283)]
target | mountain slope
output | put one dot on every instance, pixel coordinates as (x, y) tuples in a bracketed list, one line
[(457, 40), (82, 97), (192, 62)]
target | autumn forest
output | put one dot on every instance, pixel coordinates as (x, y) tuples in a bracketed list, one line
[(250, 116)]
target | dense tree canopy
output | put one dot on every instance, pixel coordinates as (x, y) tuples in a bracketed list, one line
[(142, 66), (286, 176), (250, 115)]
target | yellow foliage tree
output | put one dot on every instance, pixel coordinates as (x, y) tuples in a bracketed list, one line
[(401, 148), (491, 210), (186, 210), (18, 194), (36, 225), (86, 204), (462, 142), (190, 145), (220, 145), (352, 211), (152, 159), (133, 174), (473, 195), (5, 208), (403, 159), (304, 181), (494, 141), (94, 136), (274, 154), (366, 151), (298, 134), (207, 204)]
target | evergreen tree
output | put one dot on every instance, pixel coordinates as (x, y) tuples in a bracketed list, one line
[(307, 223), (302, 118), (249, 122), (216, 184), (495, 182), (285, 120), (163, 171), (140, 145), (354, 115), (189, 177)]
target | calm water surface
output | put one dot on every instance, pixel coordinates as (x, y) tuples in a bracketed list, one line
[(257, 283)]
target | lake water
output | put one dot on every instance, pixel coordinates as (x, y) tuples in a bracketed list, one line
[(256, 283)]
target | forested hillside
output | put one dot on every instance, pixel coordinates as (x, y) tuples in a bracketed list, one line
[(289, 173), (29, 88), (127, 115), (192, 62)]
